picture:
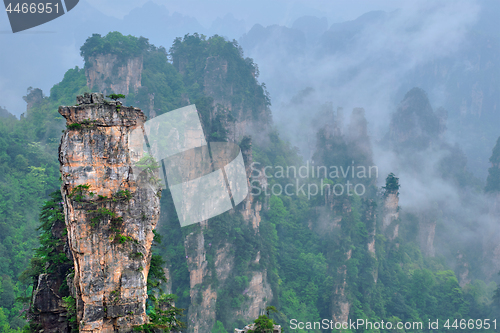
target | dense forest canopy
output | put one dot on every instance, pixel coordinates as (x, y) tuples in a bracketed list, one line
[(114, 43)]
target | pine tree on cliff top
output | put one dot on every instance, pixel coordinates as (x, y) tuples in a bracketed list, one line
[(391, 184)]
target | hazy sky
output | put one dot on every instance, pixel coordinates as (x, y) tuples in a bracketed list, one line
[(265, 12), (40, 56)]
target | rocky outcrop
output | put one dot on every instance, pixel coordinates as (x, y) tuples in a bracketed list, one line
[(33, 97), (235, 116), (110, 74), (49, 311), (370, 218), (260, 294), (204, 296), (276, 329), (110, 214), (462, 270), (390, 217), (358, 133), (234, 113), (233, 121), (426, 233), (414, 126), (340, 304)]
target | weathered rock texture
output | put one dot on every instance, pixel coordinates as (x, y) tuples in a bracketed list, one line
[(33, 97), (110, 224), (390, 216), (427, 231), (204, 295), (236, 117), (107, 73), (340, 303), (235, 120), (48, 308)]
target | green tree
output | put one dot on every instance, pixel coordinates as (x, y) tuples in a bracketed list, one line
[(218, 328), (391, 184), (263, 324), (116, 97)]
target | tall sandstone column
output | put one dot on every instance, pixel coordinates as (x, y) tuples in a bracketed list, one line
[(109, 215)]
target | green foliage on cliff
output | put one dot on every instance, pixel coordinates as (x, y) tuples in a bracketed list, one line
[(29, 172), (391, 184), (49, 255), (161, 81), (311, 256), (50, 258), (163, 315), (113, 43), (218, 328), (263, 324), (216, 67), (306, 249), (69, 302), (116, 97), (161, 85)]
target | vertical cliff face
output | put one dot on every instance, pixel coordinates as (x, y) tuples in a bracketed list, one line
[(391, 214), (33, 97), (426, 233), (110, 214), (212, 267), (213, 270), (340, 303), (105, 72), (414, 126), (238, 107), (243, 119), (358, 133)]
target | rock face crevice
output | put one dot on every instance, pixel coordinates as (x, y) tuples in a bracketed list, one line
[(109, 214)]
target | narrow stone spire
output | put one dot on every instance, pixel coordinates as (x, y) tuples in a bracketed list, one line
[(110, 216)]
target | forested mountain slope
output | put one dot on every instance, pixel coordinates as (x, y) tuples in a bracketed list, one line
[(329, 255)]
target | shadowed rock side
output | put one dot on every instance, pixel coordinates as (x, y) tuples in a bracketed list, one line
[(110, 217), (47, 308)]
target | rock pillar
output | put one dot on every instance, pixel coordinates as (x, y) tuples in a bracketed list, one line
[(110, 215)]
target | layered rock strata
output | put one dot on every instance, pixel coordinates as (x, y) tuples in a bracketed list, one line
[(110, 213)]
